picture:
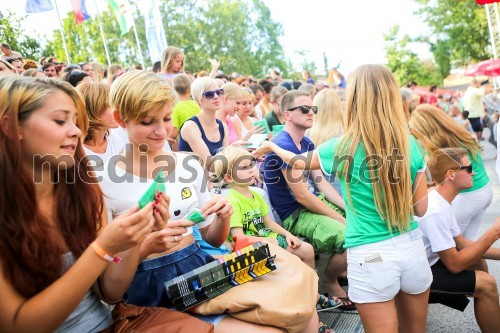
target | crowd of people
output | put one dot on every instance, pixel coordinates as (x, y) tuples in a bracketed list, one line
[(392, 190)]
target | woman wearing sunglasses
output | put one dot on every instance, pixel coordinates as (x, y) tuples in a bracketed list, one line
[(204, 134), (387, 265), (436, 130)]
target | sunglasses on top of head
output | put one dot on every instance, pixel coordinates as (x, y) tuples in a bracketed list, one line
[(305, 109), (211, 94)]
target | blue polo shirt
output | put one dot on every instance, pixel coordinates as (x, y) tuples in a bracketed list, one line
[(281, 196)]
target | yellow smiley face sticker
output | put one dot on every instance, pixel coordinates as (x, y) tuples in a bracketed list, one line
[(186, 193)]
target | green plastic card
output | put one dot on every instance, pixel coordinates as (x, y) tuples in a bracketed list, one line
[(196, 217), (150, 193), (256, 140), (262, 123)]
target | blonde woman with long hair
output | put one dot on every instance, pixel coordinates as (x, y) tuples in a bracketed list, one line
[(328, 123), (436, 130), (382, 178)]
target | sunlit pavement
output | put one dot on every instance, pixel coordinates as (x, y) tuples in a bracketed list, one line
[(441, 319)]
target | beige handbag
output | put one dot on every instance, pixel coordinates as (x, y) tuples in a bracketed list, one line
[(285, 298)]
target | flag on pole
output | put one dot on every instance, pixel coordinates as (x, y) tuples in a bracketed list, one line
[(38, 6), (79, 10), (123, 13), (155, 34)]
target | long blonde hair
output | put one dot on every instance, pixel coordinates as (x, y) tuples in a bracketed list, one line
[(329, 121), (435, 129), (375, 118)]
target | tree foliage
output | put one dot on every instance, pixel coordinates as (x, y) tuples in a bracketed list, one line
[(405, 64), (239, 33), (85, 43), (12, 33), (459, 32)]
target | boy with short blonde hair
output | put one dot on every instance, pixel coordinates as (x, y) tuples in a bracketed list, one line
[(250, 216)]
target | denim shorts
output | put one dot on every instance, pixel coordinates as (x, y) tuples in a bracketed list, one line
[(404, 267), (147, 287)]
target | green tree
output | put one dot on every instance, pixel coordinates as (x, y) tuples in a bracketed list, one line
[(405, 64), (239, 33), (85, 43), (13, 34), (459, 32)]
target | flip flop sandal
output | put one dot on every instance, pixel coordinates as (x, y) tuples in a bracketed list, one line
[(326, 303), (324, 328), (347, 307)]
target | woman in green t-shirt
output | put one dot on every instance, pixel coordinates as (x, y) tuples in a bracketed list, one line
[(436, 130), (382, 179)]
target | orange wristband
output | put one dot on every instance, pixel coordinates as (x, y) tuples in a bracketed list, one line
[(101, 253)]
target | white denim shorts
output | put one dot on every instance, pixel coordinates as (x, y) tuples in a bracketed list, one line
[(397, 264)]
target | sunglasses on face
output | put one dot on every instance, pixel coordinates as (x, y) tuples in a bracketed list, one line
[(305, 109), (467, 168), (211, 94)]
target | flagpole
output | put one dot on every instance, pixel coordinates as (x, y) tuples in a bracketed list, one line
[(102, 33), (62, 33), (161, 21), (137, 40)]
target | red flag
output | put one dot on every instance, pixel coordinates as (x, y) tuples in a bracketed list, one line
[(79, 10)]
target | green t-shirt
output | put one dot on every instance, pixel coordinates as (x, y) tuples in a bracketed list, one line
[(364, 224), (248, 214), (272, 120), (480, 178), (184, 110)]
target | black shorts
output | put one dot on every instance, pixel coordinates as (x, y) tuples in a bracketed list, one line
[(476, 124), (451, 289)]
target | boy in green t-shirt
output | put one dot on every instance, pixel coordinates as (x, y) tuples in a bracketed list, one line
[(250, 216), (185, 107), (250, 212)]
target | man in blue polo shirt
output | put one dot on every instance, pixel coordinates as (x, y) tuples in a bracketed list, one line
[(318, 216)]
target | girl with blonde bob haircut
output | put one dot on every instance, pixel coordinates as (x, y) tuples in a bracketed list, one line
[(437, 130), (382, 177), (137, 96)]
